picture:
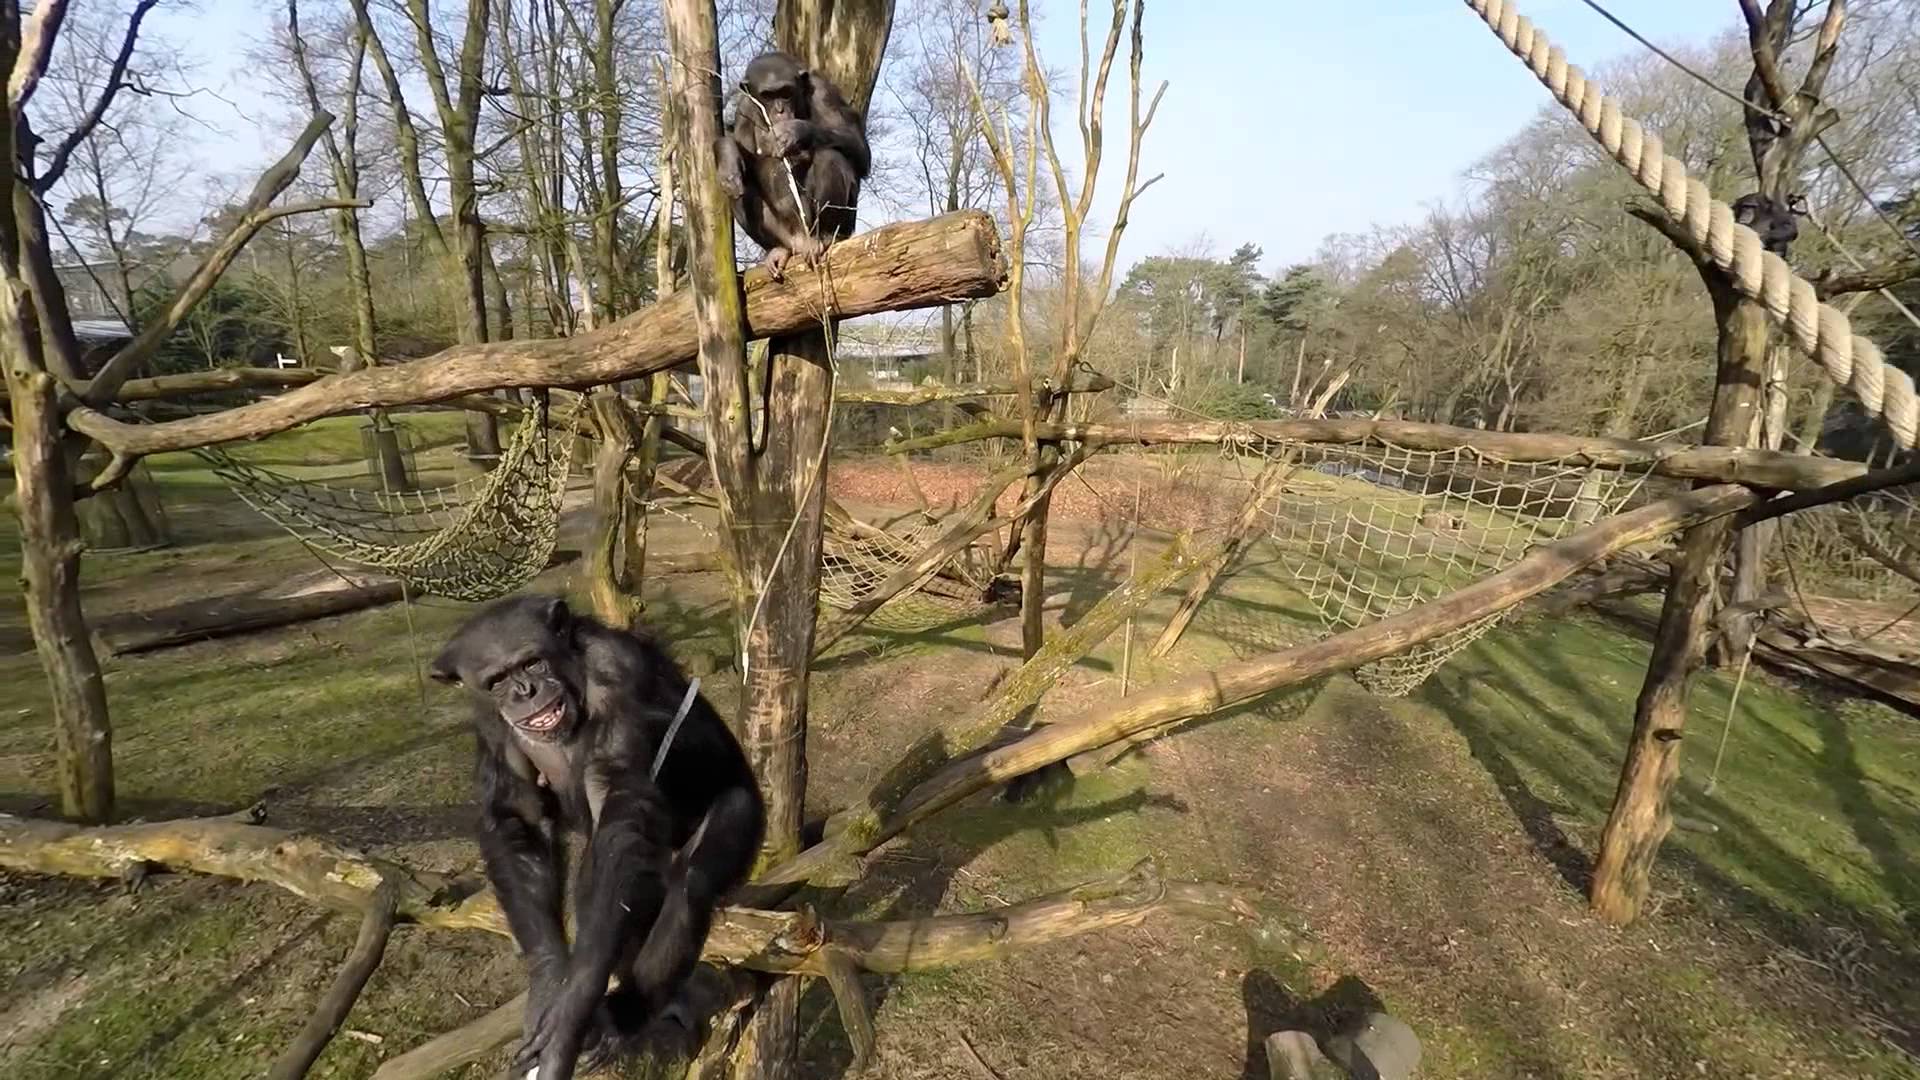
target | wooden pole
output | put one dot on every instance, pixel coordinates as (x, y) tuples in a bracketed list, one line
[(615, 595), (1719, 464), (1640, 818), (891, 268)]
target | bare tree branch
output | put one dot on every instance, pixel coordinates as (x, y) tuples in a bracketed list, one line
[(36, 47), (257, 211), (116, 81)]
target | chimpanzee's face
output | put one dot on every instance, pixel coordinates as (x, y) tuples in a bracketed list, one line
[(779, 85), (519, 653)]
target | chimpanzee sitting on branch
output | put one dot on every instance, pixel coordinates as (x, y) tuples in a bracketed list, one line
[(787, 118), (592, 729)]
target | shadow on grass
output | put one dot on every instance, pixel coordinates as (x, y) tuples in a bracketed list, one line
[(1817, 863), (1271, 1008), (909, 882)]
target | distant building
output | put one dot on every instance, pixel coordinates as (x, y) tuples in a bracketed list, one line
[(880, 355), (87, 283)]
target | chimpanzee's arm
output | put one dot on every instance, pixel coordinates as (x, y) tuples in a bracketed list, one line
[(625, 874), (729, 161), (838, 127), (522, 862)]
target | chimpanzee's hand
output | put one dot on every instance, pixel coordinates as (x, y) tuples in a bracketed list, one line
[(558, 1011), (731, 183), (792, 137), (545, 975)]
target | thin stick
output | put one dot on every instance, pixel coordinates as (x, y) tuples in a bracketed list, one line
[(1733, 703), (1126, 642), (461, 1046), (376, 926), (974, 1059)]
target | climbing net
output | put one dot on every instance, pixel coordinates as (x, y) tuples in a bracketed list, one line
[(474, 540), (856, 560), (1369, 531), (858, 557)]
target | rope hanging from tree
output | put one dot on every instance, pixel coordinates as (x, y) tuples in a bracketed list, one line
[(475, 540), (1819, 330)]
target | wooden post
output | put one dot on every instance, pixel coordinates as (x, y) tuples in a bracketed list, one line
[(615, 599), (1640, 818)]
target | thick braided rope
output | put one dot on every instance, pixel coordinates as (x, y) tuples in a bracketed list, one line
[(1819, 330)]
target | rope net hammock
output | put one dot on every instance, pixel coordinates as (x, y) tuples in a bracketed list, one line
[(1369, 531), (857, 557), (856, 561), (475, 540)]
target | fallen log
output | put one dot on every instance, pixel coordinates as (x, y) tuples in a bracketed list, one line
[(1721, 464), (683, 562), (1786, 645), (786, 942), (223, 616), (927, 395), (1895, 680), (318, 595), (893, 268)]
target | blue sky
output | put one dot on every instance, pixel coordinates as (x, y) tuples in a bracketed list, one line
[(1381, 104)]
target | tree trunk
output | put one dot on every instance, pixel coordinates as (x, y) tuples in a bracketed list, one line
[(763, 563), (775, 531), (949, 345), (1755, 544), (1640, 818), (50, 571), (1633, 390), (606, 92), (615, 595)]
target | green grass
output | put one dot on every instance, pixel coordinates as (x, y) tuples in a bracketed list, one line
[(1817, 801)]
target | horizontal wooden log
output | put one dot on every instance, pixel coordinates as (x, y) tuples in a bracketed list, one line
[(187, 384), (343, 879), (893, 268), (223, 616), (317, 595), (1721, 464)]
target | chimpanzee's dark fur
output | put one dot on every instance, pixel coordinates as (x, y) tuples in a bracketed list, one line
[(570, 716), (808, 126)]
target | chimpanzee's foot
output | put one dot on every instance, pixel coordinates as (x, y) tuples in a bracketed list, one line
[(673, 1033), (811, 250)]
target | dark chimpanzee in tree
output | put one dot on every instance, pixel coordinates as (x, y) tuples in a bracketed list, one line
[(596, 730), (788, 117), (1773, 219)]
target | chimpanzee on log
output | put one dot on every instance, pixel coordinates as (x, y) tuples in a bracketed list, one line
[(788, 117), (592, 729)]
